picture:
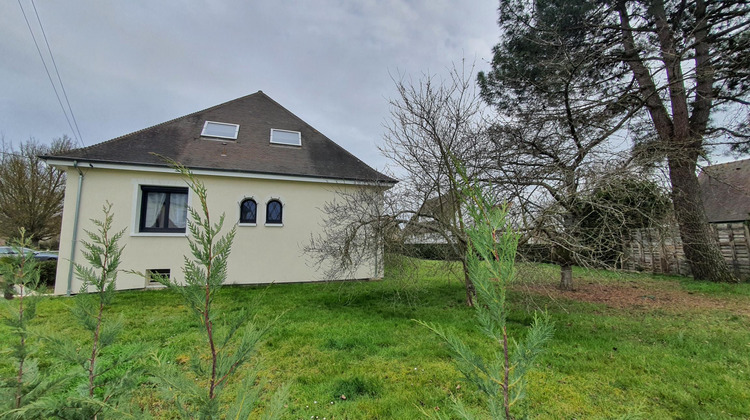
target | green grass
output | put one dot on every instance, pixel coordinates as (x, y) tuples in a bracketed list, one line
[(359, 340)]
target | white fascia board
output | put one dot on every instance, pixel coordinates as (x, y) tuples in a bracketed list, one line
[(160, 169)]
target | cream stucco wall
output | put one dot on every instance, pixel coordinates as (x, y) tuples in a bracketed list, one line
[(261, 254)]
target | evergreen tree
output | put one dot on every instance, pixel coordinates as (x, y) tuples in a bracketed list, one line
[(27, 394), (666, 66), (491, 256), (204, 276), (101, 392)]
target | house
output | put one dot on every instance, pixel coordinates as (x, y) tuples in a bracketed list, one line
[(431, 232), (265, 169), (428, 224), (725, 189)]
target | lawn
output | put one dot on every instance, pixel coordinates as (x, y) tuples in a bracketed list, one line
[(625, 344)]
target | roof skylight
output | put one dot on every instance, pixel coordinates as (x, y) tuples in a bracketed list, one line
[(289, 138), (220, 130)]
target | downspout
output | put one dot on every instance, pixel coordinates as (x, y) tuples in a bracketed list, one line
[(75, 228)]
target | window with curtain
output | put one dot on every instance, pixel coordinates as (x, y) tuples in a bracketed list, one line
[(273, 212), (248, 211), (163, 209)]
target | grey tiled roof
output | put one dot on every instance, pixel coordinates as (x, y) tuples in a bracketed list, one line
[(725, 189), (252, 152)]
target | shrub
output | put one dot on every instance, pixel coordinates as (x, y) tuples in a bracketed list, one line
[(47, 273)]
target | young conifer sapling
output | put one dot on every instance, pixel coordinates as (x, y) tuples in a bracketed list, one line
[(204, 275), (491, 261)]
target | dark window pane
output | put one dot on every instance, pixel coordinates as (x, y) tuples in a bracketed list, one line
[(163, 209), (273, 212), (248, 211)]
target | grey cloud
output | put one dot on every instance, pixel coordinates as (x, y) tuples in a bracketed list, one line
[(128, 65)]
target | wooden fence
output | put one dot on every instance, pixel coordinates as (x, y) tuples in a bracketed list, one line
[(660, 250)]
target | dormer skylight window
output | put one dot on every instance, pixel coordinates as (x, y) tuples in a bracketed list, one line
[(289, 138), (220, 130)]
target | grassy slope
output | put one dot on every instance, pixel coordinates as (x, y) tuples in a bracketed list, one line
[(356, 339)]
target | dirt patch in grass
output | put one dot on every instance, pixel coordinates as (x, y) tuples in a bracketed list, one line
[(633, 295)]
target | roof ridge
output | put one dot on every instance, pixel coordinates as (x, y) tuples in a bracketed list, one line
[(727, 163), (84, 149)]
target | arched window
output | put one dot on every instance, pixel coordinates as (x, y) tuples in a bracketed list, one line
[(248, 211), (273, 212)]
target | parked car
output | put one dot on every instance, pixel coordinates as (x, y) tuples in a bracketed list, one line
[(9, 250), (38, 255), (45, 255)]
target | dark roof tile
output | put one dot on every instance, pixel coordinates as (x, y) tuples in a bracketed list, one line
[(180, 139), (725, 189)]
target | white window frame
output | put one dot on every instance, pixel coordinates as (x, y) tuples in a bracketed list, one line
[(236, 130), (299, 136)]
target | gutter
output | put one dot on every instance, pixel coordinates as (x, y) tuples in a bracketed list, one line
[(75, 229), (234, 173)]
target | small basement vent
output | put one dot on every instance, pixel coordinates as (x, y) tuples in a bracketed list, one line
[(154, 273), (289, 138), (220, 130)]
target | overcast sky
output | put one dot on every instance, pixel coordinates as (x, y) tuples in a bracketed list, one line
[(127, 65)]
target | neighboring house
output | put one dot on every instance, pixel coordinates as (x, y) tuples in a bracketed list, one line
[(432, 231), (428, 224), (267, 170), (725, 190)]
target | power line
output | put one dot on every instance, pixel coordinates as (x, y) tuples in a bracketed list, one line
[(3, 152), (49, 76), (54, 64)]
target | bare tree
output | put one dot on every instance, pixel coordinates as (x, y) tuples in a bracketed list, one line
[(31, 192), (561, 134), (552, 179), (358, 225), (435, 126)]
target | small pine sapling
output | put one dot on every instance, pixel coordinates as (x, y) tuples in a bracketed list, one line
[(23, 395), (204, 275), (491, 262), (103, 390)]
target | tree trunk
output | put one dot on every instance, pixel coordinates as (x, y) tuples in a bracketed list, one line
[(471, 292), (701, 249), (566, 277), (563, 250)]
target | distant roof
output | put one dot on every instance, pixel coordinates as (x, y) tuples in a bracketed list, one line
[(252, 152), (726, 191), (441, 208)]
